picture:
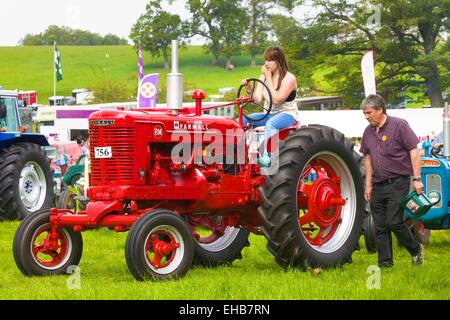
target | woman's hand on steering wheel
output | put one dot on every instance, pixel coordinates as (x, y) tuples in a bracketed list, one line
[(248, 87), (255, 106)]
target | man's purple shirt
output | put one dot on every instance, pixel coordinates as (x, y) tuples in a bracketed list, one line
[(389, 148)]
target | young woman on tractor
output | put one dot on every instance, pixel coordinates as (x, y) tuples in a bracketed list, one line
[(283, 88)]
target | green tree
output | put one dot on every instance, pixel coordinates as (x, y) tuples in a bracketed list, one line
[(68, 37), (222, 23), (156, 29), (110, 91), (259, 25), (233, 21), (409, 43)]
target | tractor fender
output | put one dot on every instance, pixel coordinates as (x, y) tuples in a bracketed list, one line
[(8, 139)]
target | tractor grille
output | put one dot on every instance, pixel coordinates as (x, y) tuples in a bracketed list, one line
[(121, 166)]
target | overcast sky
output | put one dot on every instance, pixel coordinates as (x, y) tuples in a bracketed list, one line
[(20, 17)]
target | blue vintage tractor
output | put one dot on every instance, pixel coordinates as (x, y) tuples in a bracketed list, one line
[(436, 179), (26, 181)]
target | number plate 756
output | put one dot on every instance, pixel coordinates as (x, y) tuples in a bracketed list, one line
[(102, 153)]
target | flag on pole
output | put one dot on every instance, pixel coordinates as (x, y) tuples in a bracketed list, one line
[(58, 69), (368, 73), (140, 64), (148, 90)]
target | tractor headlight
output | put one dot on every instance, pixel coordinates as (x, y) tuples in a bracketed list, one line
[(434, 197)]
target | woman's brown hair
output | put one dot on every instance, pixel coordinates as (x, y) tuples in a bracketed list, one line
[(277, 54)]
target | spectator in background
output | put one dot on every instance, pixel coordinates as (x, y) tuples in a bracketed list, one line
[(82, 143), (61, 159), (438, 141), (357, 145)]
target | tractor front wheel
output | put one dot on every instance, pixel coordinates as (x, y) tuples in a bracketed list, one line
[(159, 246), (39, 252), (313, 206)]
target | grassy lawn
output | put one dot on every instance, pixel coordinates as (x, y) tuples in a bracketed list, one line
[(104, 275), (31, 68)]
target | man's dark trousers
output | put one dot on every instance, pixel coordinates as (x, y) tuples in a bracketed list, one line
[(387, 216)]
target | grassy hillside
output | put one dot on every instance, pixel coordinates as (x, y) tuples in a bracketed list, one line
[(31, 68)]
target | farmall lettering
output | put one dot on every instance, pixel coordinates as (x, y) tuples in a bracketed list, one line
[(189, 126)]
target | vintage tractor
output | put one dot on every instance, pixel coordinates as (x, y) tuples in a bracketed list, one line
[(26, 183), (435, 174), (179, 180)]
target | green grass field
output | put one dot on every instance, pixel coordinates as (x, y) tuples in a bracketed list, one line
[(31, 68), (104, 275)]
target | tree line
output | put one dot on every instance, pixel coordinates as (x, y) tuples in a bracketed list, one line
[(71, 37), (409, 39)]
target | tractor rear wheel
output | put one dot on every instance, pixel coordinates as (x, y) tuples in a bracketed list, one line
[(36, 254), (26, 181), (159, 246), (370, 237), (313, 207), (215, 242)]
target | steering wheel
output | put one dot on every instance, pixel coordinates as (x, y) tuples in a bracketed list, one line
[(437, 152), (252, 106)]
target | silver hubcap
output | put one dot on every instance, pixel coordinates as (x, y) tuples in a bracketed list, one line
[(32, 186)]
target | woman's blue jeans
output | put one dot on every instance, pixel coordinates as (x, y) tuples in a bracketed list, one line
[(273, 122)]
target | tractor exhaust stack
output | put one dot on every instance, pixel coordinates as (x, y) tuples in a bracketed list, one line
[(175, 83), (446, 132)]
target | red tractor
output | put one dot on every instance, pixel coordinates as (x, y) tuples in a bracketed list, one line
[(181, 208)]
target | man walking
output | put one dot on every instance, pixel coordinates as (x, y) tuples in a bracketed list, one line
[(391, 157)]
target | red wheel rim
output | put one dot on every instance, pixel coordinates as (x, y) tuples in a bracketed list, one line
[(205, 229), (319, 202), (161, 249), (49, 253)]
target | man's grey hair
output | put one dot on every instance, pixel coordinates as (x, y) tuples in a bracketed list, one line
[(374, 101)]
